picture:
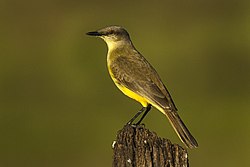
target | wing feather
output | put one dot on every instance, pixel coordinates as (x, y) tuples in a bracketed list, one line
[(139, 76)]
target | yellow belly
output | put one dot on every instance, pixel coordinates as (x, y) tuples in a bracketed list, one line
[(127, 91), (133, 95), (130, 93)]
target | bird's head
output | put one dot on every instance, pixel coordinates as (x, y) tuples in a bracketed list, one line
[(112, 35)]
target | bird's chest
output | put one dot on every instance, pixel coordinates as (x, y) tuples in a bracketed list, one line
[(110, 63), (113, 61)]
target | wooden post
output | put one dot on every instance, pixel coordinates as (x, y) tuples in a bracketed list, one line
[(136, 146)]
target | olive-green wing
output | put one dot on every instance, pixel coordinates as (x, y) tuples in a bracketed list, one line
[(135, 73)]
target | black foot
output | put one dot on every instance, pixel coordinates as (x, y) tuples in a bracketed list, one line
[(136, 115), (146, 109)]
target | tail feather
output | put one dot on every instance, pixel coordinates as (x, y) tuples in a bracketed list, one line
[(181, 130)]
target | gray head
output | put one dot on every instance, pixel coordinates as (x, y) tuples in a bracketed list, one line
[(111, 34)]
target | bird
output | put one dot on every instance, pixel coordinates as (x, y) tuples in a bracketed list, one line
[(137, 78)]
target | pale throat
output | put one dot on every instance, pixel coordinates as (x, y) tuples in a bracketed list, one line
[(113, 45)]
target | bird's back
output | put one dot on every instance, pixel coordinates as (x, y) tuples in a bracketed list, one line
[(131, 70)]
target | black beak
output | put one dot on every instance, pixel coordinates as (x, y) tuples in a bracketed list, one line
[(94, 33)]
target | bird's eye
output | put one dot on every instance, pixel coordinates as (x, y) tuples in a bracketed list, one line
[(110, 32)]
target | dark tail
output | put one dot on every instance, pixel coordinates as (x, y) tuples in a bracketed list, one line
[(181, 130)]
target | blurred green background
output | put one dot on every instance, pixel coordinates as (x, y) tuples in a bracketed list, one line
[(59, 107)]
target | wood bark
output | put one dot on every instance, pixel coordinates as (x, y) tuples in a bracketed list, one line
[(136, 146)]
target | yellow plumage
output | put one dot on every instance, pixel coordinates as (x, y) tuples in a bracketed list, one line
[(129, 93), (137, 79)]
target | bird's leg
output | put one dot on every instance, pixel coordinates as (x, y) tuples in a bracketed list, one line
[(136, 115), (145, 113)]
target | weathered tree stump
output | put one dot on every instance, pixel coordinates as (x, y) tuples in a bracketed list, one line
[(136, 146)]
